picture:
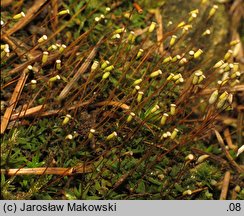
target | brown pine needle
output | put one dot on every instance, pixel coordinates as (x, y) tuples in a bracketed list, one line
[(14, 100), (225, 186), (228, 139), (28, 112), (159, 19), (81, 70), (47, 171), (36, 110)]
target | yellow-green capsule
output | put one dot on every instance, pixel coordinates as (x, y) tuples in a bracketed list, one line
[(129, 118), (29, 67), (183, 61), (33, 84), (201, 78), (236, 74), (136, 82), (66, 119), (234, 83), (152, 27), (120, 30), (176, 58), (192, 17), (230, 98), (187, 192), (108, 9), (154, 109), (206, 32), (169, 23), (228, 67), (199, 72), (105, 64), (213, 97), (131, 37), (156, 73), (109, 68), (105, 75), (136, 89), (222, 100), (225, 76), (195, 79), (196, 11), (62, 48), (191, 54), (42, 39), (221, 104), (116, 36), (3, 46), (174, 133), (58, 64), (172, 40), (198, 53), (111, 136), (181, 24), (95, 65), (167, 59), (234, 42), (222, 82), (223, 96), (177, 76), (189, 157), (180, 80), (202, 158), (5, 52), (237, 187), (164, 118), (172, 109), (91, 133), (186, 29), (139, 96), (228, 55), (97, 19), (212, 11), (19, 15), (52, 47), (164, 136), (235, 67), (45, 57), (170, 77), (63, 12), (224, 65), (218, 64), (196, 76), (139, 53), (53, 79), (69, 137)]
